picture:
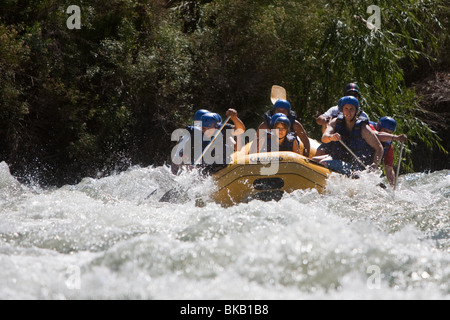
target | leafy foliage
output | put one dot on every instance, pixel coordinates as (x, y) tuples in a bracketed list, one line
[(79, 102)]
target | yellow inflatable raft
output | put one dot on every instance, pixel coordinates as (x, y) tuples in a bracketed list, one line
[(267, 176)]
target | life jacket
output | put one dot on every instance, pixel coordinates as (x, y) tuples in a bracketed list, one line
[(292, 118), (354, 141), (287, 145)]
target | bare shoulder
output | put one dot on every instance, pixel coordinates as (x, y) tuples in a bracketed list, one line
[(298, 125), (366, 129)]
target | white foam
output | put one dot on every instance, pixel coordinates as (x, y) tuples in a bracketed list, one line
[(112, 238)]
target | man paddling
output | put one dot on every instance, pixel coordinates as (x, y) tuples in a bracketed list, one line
[(352, 89), (197, 138), (324, 119), (348, 131)]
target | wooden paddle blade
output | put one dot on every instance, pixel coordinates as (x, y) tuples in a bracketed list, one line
[(278, 93)]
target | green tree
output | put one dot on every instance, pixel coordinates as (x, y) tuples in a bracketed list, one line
[(78, 102)]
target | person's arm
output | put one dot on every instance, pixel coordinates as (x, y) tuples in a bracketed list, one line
[(384, 136), (301, 133), (330, 135), (240, 127), (372, 140), (323, 120), (296, 147)]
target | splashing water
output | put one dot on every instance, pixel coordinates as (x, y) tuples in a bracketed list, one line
[(111, 238)]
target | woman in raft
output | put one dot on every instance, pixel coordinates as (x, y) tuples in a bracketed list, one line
[(296, 128), (279, 137)]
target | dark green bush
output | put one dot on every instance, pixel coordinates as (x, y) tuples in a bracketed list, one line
[(78, 102)]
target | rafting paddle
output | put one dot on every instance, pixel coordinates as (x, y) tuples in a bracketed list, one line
[(352, 153), (382, 185), (174, 194), (278, 93), (212, 141)]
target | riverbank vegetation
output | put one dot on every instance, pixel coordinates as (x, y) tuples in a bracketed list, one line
[(90, 101)]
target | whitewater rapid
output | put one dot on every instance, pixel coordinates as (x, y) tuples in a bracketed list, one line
[(111, 238)]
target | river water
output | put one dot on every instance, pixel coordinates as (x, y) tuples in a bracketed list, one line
[(111, 238)]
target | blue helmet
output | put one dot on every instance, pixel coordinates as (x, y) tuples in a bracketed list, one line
[(282, 104), (211, 120), (280, 118), (387, 123), (348, 100), (198, 115)]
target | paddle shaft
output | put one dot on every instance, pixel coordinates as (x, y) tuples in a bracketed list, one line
[(212, 141), (352, 153), (399, 164), (174, 193)]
